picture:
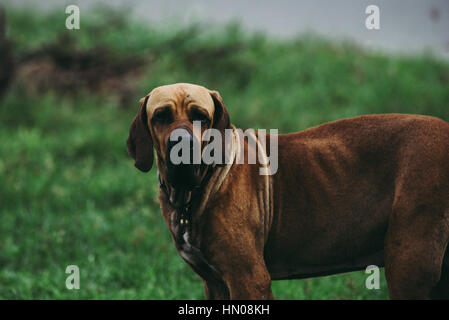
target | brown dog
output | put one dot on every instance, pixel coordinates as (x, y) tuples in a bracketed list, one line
[(347, 194)]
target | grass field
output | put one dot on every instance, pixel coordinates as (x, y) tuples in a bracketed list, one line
[(69, 193)]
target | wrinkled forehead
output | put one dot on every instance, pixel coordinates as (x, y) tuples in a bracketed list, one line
[(180, 96)]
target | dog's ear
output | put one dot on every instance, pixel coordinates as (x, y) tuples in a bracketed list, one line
[(221, 114), (221, 122), (139, 143)]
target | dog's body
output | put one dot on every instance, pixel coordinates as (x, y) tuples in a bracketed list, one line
[(347, 194)]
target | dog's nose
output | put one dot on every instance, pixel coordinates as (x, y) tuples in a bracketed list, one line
[(186, 139)]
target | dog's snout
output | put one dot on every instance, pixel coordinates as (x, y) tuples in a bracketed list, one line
[(184, 140), (182, 170), (183, 137)]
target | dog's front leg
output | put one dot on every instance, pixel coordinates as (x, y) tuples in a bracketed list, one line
[(242, 269), (216, 290), (243, 274), (233, 241), (238, 258), (249, 282)]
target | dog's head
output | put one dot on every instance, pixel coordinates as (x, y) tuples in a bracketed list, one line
[(164, 110)]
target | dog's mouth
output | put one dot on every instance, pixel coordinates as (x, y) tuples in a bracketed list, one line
[(183, 175), (182, 180)]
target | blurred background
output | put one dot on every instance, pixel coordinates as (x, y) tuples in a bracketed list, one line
[(69, 193)]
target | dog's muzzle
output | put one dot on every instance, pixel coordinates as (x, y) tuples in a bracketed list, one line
[(182, 172)]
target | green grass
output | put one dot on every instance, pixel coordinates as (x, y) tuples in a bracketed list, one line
[(69, 193)]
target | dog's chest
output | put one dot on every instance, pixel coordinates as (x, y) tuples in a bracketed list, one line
[(186, 250), (181, 229), (187, 241)]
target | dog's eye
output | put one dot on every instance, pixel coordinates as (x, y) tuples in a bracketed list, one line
[(199, 116), (162, 116)]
